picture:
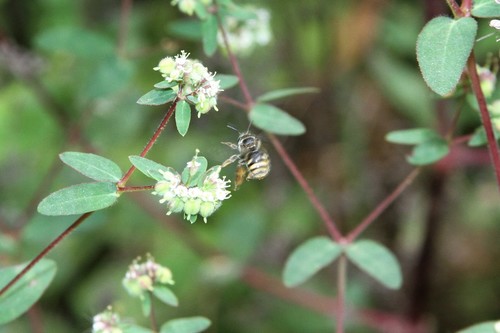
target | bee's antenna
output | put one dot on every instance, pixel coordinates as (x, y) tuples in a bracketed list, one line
[(249, 125), (233, 128)]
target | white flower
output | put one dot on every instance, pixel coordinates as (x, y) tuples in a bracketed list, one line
[(194, 80), (243, 36), (495, 23)]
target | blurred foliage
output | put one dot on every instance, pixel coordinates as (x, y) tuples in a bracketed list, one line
[(65, 85)]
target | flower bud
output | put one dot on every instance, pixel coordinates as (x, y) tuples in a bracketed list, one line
[(192, 206)]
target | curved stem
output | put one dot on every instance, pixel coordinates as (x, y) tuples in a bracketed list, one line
[(330, 224), (382, 206), (341, 285), (45, 251), (485, 116), (151, 142)]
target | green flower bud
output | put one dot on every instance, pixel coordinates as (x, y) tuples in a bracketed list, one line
[(207, 208), (164, 275), (192, 206), (176, 205)]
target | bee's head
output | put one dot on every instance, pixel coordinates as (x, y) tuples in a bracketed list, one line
[(248, 142)]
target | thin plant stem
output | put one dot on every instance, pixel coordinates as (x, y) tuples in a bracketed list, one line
[(151, 142), (45, 251), (341, 285), (382, 206), (455, 8), (152, 317), (485, 116), (329, 222), (135, 188)]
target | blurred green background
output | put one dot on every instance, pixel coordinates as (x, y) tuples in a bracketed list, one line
[(69, 82)]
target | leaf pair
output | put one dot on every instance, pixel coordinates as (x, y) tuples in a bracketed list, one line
[(86, 197), (430, 147), (319, 252)]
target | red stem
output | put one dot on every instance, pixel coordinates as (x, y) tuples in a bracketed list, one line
[(330, 224), (341, 285), (485, 116), (45, 251), (151, 142), (382, 206)]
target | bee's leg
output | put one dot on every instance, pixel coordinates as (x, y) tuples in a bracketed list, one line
[(230, 160), (230, 144)]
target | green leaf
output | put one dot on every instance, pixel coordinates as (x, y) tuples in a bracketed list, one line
[(182, 117), (479, 137), (274, 120), (227, 81), (443, 47), (148, 167), (25, 292), (486, 327), (209, 35), (377, 261), (429, 152), (280, 93), (313, 255), (79, 199), (185, 325), (411, 136), (192, 180), (486, 8), (93, 166), (165, 295), (157, 97), (165, 84)]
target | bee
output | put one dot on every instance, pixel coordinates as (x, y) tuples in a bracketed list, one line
[(253, 159)]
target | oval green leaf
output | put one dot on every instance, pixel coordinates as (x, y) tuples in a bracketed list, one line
[(79, 199), (185, 325), (165, 295), (274, 120), (209, 34), (377, 261), (25, 292), (443, 47), (93, 166), (182, 117), (310, 257), (227, 81), (277, 94), (148, 167), (486, 8), (429, 152), (157, 97), (411, 136)]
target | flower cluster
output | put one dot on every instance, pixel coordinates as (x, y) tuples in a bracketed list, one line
[(195, 83), (189, 6), (142, 277), (107, 322), (244, 35), (197, 192)]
